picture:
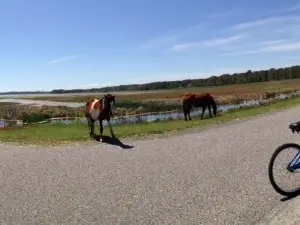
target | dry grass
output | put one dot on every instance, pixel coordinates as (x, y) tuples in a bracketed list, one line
[(222, 93)]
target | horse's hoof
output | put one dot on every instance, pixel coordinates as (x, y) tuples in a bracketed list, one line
[(92, 136)]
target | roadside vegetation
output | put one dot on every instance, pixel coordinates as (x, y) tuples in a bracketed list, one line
[(55, 134), (145, 102)]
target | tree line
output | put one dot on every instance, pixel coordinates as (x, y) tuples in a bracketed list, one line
[(249, 76)]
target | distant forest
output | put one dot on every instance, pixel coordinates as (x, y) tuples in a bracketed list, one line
[(250, 76)]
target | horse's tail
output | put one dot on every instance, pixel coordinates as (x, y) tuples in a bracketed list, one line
[(186, 101), (214, 105), (87, 105), (185, 106), (183, 103)]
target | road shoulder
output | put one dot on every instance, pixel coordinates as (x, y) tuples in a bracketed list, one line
[(169, 134), (285, 213)]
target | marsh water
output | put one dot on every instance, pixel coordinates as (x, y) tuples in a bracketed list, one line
[(147, 117), (41, 102)]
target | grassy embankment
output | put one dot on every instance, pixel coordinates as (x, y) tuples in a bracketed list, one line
[(55, 134)]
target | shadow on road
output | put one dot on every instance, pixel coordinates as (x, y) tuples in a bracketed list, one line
[(113, 141)]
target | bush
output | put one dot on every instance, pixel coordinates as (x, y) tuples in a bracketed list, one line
[(33, 118)]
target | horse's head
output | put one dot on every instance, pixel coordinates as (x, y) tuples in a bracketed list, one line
[(108, 102)]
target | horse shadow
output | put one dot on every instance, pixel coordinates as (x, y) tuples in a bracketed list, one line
[(112, 140)]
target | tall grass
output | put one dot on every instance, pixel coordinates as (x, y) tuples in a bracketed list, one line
[(31, 114)]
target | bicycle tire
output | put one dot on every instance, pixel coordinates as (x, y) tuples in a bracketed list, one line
[(270, 169)]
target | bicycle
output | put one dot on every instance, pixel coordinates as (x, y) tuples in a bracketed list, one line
[(292, 167)]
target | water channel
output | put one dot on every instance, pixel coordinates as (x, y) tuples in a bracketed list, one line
[(147, 117)]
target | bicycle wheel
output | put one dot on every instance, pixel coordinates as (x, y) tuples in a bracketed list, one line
[(290, 167)]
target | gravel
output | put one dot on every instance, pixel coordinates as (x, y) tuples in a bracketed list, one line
[(216, 176)]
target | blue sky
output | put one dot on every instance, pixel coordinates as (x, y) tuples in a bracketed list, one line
[(67, 44)]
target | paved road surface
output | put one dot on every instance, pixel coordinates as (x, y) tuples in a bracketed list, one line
[(217, 176)]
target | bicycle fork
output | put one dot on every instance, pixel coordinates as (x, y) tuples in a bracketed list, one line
[(293, 165)]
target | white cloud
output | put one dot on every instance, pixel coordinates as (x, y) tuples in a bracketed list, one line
[(291, 46), (223, 41), (207, 43), (291, 9), (272, 34), (236, 53), (62, 59), (266, 21), (172, 37), (220, 14), (272, 42), (276, 47), (160, 41), (184, 46)]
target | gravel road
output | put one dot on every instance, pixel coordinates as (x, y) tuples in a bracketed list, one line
[(216, 176)]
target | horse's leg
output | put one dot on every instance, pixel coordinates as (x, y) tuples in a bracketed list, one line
[(91, 126), (203, 110), (185, 114), (110, 128), (185, 110), (209, 109), (189, 114), (101, 129)]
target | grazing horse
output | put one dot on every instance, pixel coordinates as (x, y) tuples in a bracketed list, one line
[(198, 100), (100, 109)]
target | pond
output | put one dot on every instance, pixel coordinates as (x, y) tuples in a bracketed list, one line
[(151, 117), (42, 102)]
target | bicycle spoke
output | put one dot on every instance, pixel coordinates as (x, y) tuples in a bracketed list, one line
[(284, 168)]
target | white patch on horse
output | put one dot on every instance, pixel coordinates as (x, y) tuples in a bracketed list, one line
[(94, 112), (103, 103)]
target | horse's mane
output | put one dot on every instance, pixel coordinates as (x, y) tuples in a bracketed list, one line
[(189, 95), (108, 96)]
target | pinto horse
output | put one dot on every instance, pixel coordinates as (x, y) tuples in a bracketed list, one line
[(198, 100), (99, 109)]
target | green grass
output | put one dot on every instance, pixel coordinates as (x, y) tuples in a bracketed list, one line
[(55, 134)]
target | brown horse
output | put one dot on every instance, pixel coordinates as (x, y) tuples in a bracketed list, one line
[(100, 109), (198, 100)]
